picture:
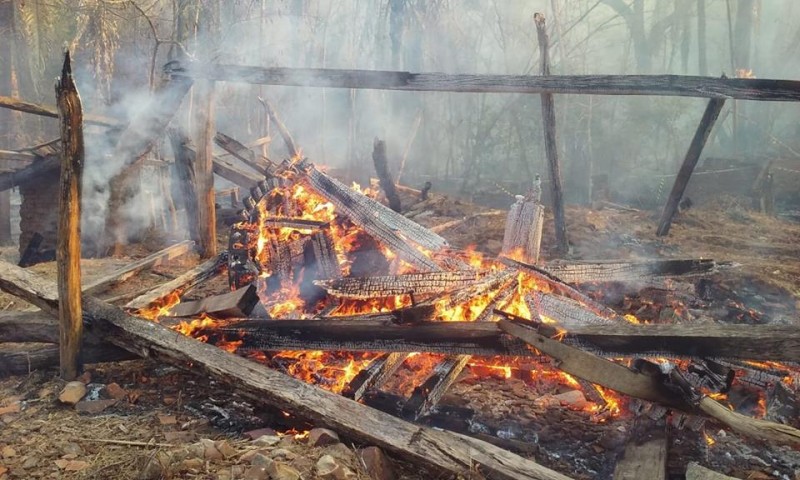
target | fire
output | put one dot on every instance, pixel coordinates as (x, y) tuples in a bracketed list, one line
[(160, 307), (709, 439), (745, 73)]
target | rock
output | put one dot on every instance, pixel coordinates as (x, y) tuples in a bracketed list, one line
[(261, 460), (85, 378), (281, 471), (225, 449), (267, 440), (328, 468), (93, 407), (320, 437), (547, 401), (30, 462), (72, 448), (72, 393), (256, 473), (192, 465), (340, 452), (210, 451), (573, 398), (255, 434), (8, 452), (114, 391), (378, 466), (282, 454), (71, 465)]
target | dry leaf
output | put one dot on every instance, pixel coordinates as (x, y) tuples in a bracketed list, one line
[(72, 465), (13, 408), (167, 420)]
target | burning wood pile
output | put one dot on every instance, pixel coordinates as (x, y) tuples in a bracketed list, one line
[(333, 288)]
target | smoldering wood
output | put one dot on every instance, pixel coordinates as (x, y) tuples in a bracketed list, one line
[(657, 85), (45, 357), (391, 285), (321, 256), (710, 116), (568, 313), (237, 149), (439, 451), (52, 111), (381, 163), (12, 161), (29, 174), (132, 269), (238, 303), (379, 221), (183, 283), (427, 395), (550, 145), (652, 388), (374, 375), (185, 175), (68, 244), (617, 271), (523, 229)]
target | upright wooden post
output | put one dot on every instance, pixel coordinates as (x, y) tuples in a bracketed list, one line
[(551, 149), (689, 162), (68, 249), (385, 177)]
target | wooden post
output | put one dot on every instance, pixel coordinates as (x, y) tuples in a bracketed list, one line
[(689, 162), (550, 146), (68, 249), (382, 169)]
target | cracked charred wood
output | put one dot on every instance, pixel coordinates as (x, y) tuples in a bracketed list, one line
[(68, 245), (231, 172), (238, 303), (427, 395), (45, 357), (374, 375), (568, 313), (550, 146), (616, 271), (184, 171), (653, 388), (237, 149), (689, 162), (180, 285), (391, 285), (523, 229), (660, 85), (384, 176), (438, 451), (389, 227)]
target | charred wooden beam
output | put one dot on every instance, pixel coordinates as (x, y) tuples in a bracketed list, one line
[(427, 395), (391, 285), (689, 162), (185, 175), (229, 171), (68, 245), (321, 262), (237, 149), (13, 161), (385, 177), (206, 270), (294, 153), (568, 313), (52, 111), (128, 271), (523, 230), (238, 303), (439, 451), (659, 85), (697, 472), (653, 388), (374, 375), (385, 225), (45, 357), (31, 173), (616, 271), (551, 149)]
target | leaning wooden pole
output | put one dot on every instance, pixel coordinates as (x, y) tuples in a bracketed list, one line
[(551, 149), (689, 162), (382, 169), (68, 250)]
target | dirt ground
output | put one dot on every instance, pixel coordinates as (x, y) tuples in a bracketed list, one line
[(162, 426)]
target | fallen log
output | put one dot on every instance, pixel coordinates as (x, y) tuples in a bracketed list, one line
[(387, 333), (22, 361), (617, 377), (616, 271), (152, 260), (439, 451)]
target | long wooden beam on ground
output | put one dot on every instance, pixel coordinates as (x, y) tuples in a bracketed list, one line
[(617, 377), (371, 334), (128, 271), (439, 451), (658, 85), (23, 361)]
